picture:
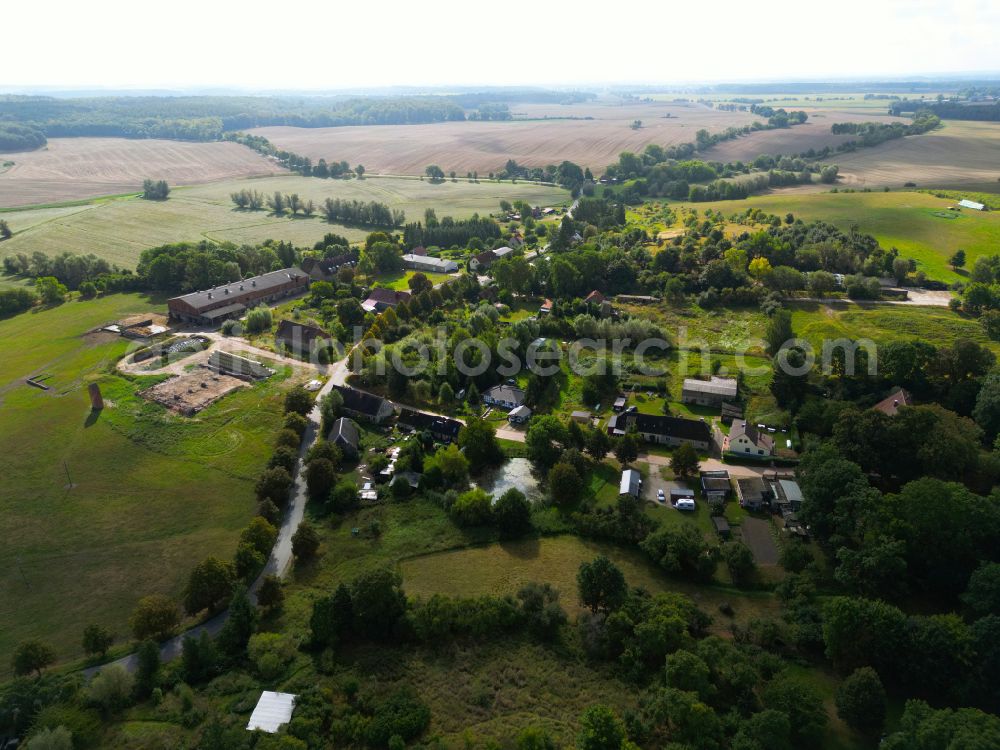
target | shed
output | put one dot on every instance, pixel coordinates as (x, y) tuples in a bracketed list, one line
[(583, 417), (966, 203), (631, 483), (721, 526), (271, 711)]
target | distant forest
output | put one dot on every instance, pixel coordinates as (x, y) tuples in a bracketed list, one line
[(26, 121), (206, 118), (949, 110)]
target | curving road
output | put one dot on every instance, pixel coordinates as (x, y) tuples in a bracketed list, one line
[(281, 554)]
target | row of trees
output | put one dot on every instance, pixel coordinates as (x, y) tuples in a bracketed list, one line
[(155, 190)]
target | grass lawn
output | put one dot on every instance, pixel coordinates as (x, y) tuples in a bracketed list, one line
[(399, 281), (502, 568), (914, 222), (153, 493), (883, 323), (120, 229)]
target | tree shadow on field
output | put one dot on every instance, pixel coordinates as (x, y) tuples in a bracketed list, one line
[(92, 418), (525, 548)]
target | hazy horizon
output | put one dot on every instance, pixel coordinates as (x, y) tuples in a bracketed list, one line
[(318, 47)]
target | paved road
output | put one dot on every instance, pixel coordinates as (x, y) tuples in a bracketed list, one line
[(281, 554)]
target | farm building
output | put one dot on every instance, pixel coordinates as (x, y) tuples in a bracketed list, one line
[(243, 368), (620, 403), (746, 440), (788, 494), (212, 306), (366, 406), (427, 264), (891, 403), (345, 435), (325, 269), (379, 299), (441, 428), (299, 337), (504, 396), (654, 428), (731, 412), (708, 392), (580, 417), (485, 259), (631, 483), (966, 203)]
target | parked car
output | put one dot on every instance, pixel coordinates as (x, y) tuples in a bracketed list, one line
[(660, 496)]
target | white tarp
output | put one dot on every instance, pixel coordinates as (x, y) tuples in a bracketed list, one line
[(273, 710)]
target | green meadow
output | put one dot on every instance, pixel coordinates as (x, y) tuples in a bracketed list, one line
[(918, 224), (119, 229), (102, 509)]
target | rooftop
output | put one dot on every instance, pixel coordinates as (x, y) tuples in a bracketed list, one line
[(716, 385), (272, 710), (262, 283)]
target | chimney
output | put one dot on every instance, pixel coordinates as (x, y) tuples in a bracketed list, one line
[(895, 402)]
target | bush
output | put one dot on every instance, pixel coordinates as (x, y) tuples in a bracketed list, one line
[(298, 400), (258, 320), (59, 738), (472, 508), (403, 714), (97, 640), (111, 690), (512, 513), (295, 421), (861, 701), (270, 654), (305, 542), (260, 535)]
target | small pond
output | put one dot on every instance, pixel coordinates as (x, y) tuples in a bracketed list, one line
[(517, 472)]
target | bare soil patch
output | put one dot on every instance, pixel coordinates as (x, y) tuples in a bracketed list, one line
[(75, 168), (189, 394)]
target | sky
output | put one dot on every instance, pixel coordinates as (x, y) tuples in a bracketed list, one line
[(331, 44)]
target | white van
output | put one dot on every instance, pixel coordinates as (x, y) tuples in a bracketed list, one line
[(685, 503)]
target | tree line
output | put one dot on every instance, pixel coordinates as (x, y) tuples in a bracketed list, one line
[(155, 190), (448, 232), (875, 133), (206, 118), (15, 137)]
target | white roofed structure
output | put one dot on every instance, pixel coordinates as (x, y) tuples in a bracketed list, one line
[(966, 203), (272, 710)]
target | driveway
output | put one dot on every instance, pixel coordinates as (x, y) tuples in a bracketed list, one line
[(757, 536)]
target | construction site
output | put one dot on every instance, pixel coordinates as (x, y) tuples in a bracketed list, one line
[(189, 394)]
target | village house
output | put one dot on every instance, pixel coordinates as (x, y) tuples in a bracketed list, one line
[(752, 493), (441, 428), (419, 250), (660, 429), (746, 440), (345, 436), (708, 392), (487, 258), (890, 404), (299, 338), (325, 269), (505, 396), (212, 306), (379, 299), (546, 307), (365, 406), (631, 483), (520, 415), (427, 264)]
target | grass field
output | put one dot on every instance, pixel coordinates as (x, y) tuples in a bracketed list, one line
[(504, 567), (73, 168), (884, 323), (152, 494), (909, 221), (120, 229), (538, 140)]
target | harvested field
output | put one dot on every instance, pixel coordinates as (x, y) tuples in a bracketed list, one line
[(815, 133), (486, 146), (76, 168), (960, 154), (189, 394), (121, 229)]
